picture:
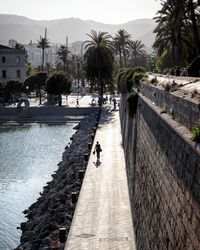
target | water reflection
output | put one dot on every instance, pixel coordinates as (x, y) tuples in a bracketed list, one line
[(29, 154)]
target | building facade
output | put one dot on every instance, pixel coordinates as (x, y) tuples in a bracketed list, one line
[(12, 64), (35, 54)]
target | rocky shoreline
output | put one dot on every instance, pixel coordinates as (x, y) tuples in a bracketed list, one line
[(55, 207)]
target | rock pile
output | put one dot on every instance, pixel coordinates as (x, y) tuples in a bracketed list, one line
[(55, 207)]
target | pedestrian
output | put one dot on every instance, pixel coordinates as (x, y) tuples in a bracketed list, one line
[(172, 72), (60, 101), (115, 103), (177, 71), (77, 103), (97, 150)]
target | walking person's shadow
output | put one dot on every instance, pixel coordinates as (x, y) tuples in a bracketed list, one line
[(97, 163)]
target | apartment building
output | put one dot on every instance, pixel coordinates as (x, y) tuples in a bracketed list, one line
[(35, 54), (12, 64)]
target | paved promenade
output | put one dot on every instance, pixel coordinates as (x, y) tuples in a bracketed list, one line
[(102, 219)]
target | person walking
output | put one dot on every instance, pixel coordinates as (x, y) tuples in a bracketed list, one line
[(77, 103), (60, 101), (98, 150), (115, 103)]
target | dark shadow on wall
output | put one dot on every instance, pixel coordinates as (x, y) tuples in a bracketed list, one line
[(183, 158), (180, 164), (153, 210)]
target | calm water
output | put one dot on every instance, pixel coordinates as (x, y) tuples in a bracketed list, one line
[(28, 156)]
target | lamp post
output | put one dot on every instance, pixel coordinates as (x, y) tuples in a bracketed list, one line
[(27, 88)]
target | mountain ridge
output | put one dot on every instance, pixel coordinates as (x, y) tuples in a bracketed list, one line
[(24, 30)]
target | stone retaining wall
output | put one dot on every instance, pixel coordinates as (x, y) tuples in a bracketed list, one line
[(184, 111), (163, 169), (55, 207), (51, 110)]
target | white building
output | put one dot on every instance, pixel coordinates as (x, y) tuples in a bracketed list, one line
[(12, 43), (35, 54), (77, 48), (12, 64)]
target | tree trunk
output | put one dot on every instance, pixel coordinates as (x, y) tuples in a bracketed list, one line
[(120, 57), (42, 59), (100, 89), (194, 28), (100, 85), (179, 50), (40, 97), (64, 66), (173, 41), (124, 55)]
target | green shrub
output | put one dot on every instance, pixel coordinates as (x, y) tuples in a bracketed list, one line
[(196, 134), (121, 86), (137, 77), (125, 79), (138, 69), (132, 101)]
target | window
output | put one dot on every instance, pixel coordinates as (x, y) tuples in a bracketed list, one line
[(18, 73), (17, 59), (3, 73), (3, 59)]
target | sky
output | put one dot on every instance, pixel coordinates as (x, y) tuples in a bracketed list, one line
[(105, 11)]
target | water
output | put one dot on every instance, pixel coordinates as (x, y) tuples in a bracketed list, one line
[(29, 154)]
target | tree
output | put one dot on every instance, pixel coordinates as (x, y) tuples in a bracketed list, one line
[(151, 61), (136, 52), (170, 29), (99, 59), (37, 82), (122, 45), (58, 84), (63, 56), (43, 43), (177, 30), (30, 70), (19, 46), (164, 61), (194, 15), (125, 78), (12, 87)]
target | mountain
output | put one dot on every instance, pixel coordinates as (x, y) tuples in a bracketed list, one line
[(23, 29)]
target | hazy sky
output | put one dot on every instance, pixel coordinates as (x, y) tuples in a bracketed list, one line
[(106, 11)]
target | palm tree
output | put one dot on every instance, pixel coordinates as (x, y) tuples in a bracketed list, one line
[(194, 15), (99, 59), (177, 30), (136, 51), (122, 44), (63, 54), (118, 51), (19, 46), (43, 43), (170, 29)]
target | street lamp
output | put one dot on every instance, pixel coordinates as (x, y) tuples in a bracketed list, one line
[(27, 88)]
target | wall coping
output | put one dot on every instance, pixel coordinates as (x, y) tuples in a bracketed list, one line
[(186, 111), (181, 130)]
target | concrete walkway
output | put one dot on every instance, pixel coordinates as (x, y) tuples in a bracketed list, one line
[(102, 219)]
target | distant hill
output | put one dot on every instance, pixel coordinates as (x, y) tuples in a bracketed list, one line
[(24, 29)]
